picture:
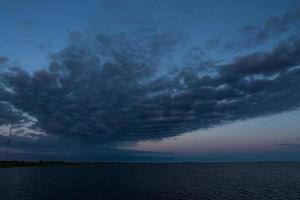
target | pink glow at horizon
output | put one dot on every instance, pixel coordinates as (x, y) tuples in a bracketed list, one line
[(256, 135)]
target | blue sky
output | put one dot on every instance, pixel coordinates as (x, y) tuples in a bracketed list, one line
[(151, 80), (33, 23)]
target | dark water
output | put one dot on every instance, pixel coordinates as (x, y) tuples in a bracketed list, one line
[(153, 181)]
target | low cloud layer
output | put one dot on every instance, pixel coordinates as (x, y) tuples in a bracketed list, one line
[(124, 94)]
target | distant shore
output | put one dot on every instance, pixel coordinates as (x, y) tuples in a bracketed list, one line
[(7, 164), (10, 164)]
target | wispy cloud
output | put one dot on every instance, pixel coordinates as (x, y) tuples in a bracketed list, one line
[(254, 35)]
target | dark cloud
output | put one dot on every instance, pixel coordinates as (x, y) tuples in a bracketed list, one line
[(28, 25), (8, 113), (104, 40), (41, 45), (250, 35), (281, 58), (52, 148), (3, 59), (164, 42), (123, 96), (151, 45)]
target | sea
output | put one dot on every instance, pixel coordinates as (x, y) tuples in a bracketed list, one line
[(177, 181)]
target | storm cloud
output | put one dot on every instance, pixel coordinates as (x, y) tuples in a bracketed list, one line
[(123, 95)]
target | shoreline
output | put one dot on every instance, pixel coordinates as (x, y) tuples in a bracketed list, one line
[(12, 164)]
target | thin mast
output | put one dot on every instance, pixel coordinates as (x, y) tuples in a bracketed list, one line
[(8, 140)]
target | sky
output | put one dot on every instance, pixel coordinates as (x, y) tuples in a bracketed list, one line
[(150, 81)]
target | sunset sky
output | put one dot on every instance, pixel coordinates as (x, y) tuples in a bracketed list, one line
[(159, 80)]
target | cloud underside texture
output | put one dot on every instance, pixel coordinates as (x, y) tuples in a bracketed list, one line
[(125, 95)]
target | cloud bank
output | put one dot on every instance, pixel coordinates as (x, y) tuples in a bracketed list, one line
[(110, 91)]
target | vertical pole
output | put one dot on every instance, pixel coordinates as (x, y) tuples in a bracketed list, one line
[(8, 140)]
